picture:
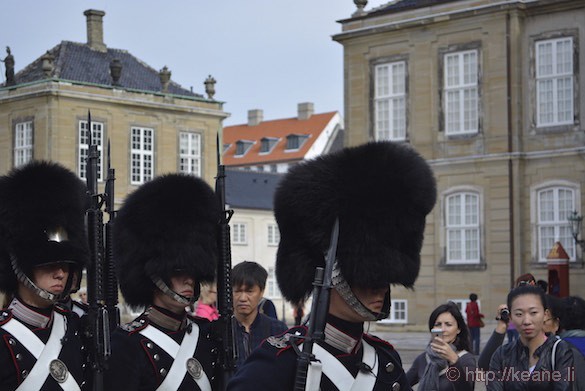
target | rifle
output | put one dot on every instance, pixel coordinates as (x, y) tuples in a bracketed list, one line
[(226, 321), (319, 309), (97, 327)]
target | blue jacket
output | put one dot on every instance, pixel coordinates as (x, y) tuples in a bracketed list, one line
[(262, 328)]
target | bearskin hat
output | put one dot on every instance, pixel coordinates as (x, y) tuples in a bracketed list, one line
[(168, 224), (381, 192), (37, 201)]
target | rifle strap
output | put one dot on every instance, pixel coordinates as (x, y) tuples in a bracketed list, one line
[(182, 355), (46, 354), (340, 376)]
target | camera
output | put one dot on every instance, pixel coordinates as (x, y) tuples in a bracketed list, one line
[(505, 315)]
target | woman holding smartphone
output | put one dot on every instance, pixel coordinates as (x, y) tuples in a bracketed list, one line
[(446, 364)]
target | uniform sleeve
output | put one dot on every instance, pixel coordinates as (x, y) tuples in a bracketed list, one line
[(123, 371), (493, 381), (496, 340), (265, 369)]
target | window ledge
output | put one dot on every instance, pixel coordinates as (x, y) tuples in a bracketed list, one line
[(463, 266), (579, 264)]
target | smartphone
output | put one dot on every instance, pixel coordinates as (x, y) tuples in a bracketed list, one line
[(437, 333)]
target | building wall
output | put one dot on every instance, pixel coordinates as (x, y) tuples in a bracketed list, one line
[(504, 163), (56, 109)]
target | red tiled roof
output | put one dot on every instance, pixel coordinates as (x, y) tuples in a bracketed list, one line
[(279, 128)]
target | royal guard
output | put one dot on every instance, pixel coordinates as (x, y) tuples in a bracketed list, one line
[(165, 245), (43, 249), (379, 194)]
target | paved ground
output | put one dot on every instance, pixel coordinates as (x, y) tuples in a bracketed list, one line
[(410, 344)]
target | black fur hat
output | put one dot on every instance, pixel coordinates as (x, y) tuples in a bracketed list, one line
[(168, 224), (381, 192), (36, 201)]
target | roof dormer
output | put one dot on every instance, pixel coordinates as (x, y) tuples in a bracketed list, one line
[(267, 144), (242, 147), (295, 141)]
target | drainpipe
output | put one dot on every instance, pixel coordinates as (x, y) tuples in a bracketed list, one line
[(510, 150)]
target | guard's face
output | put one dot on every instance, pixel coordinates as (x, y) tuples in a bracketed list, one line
[(180, 283), (51, 277), (371, 298), (246, 299)]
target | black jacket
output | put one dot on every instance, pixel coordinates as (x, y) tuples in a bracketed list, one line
[(509, 368)]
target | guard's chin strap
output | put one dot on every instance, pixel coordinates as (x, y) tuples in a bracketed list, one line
[(344, 290), (160, 284), (27, 282)]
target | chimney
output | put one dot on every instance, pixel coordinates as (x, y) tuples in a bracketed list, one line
[(305, 110), (95, 31), (255, 116)]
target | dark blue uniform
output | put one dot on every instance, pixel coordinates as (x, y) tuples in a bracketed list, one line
[(272, 366), (16, 361), (139, 362)]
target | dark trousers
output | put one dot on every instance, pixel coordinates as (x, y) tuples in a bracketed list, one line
[(474, 331)]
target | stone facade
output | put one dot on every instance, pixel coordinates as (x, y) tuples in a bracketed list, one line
[(505, 163)]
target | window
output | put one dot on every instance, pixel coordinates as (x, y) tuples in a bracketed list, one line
[(554, 205), (295, 141), (390, 101), (97, 138), (267, 144), (462, 305), (272, 291), (273, 168), (554, 82), (239, 235), (242, 146), (462, 223), (398, 312), (273, 235), (23, 143), (190, 153), (142, 154), (461, 92)]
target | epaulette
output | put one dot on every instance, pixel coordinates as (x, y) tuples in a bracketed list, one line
[(197, 319), (5, 315), (286, 340), (135, 325), (378, 341)]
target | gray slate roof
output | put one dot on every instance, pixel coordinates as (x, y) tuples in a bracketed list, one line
[(250, 189), (78, 62)]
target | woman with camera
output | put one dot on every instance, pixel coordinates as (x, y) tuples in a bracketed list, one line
[(534, 361), (446, 363)]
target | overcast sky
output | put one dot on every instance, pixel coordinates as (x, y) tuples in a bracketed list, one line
[(264, 54)]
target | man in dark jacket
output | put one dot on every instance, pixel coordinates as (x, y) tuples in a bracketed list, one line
[(380, 193), (248, 282)]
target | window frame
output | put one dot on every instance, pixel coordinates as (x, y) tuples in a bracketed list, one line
[(142, 154), (273, 234), (83, 147), (554, 77), (558, 224), (238, 229), (391, 98), (462, 227), (392, 318), (187, 160), (272, 290), (23, 153)]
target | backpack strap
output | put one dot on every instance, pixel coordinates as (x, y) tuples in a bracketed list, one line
[(554, 353)]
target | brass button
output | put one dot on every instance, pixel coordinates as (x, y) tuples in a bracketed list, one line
[(19, 356), (24, 374), (149, 345), (11, 341), (396, 386), (389, 367), (156, 357), (163, 372)]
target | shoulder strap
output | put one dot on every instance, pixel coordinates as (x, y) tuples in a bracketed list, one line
[(554, 353)]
